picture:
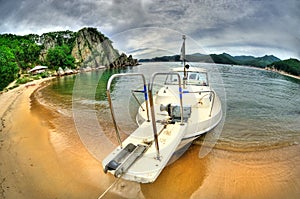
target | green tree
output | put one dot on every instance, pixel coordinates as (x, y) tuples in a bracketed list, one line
[(30, 54), (60, 56), (8, 67), (25, 50), (291, 66)]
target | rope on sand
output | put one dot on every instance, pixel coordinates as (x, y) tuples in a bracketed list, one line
[(111, 186)]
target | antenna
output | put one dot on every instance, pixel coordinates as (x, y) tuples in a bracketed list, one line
[(183, 59)]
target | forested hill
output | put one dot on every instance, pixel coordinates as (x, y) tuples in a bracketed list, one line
[(221, 59), (291, 66), (86, 48)]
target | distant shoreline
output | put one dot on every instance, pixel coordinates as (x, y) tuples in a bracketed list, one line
[(282, 73), (259, 68)]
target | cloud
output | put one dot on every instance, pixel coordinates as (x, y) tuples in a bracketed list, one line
[(224, 24), (260, 24), (149, 42)]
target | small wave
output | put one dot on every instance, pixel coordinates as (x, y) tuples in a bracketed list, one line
[(88, 102), (249, 146)]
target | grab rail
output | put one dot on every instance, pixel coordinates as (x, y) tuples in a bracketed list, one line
[(150, 88), (110, 101), (149, 101)]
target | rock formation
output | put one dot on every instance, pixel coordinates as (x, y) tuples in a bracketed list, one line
[(88, 46)]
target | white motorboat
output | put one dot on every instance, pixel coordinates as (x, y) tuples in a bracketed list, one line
[(180, 111)]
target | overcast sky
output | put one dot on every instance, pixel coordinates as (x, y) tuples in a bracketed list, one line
[(144, 27)]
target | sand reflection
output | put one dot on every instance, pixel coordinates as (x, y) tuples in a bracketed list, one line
[(264, 174)]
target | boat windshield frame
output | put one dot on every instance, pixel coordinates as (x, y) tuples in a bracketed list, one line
[(195, 78)]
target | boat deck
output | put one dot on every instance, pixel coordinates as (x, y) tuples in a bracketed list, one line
[(147, 167)]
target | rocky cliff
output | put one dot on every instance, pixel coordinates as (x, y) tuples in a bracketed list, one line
[(88, 46)]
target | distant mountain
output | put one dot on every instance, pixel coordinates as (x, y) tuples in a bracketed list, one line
[(256, 61), (223, 58), (244, 58), (196, 57), (172, 58)]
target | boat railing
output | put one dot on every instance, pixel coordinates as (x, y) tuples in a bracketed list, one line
[(111, 104), (213, 94), (150, 94)]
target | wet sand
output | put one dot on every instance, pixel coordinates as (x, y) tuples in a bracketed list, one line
[(39, 161), (228, 174), (29, 165)]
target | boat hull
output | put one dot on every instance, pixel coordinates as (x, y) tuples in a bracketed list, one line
[(144, 167), (203, 118), (179, 114)]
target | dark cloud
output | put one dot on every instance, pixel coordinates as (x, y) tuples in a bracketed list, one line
[(236, 26)]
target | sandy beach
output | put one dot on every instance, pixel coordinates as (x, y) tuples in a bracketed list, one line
[(30, 167), (37, 161)]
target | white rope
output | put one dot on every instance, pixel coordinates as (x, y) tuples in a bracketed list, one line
[(111, 186)]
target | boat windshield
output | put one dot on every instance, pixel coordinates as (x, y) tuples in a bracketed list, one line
[(193, 78)]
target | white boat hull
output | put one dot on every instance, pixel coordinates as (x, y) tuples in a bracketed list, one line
[(149, 165), (178, 116), (203, 118)]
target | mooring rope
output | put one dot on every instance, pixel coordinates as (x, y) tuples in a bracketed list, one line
[(111, 186)]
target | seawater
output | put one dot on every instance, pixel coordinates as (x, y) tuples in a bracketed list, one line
[(261, 108), (254, 153)]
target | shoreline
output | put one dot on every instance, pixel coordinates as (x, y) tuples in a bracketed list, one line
[(272, 70), (37, 161), (7, 98), (30, 166), (282, 73)]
